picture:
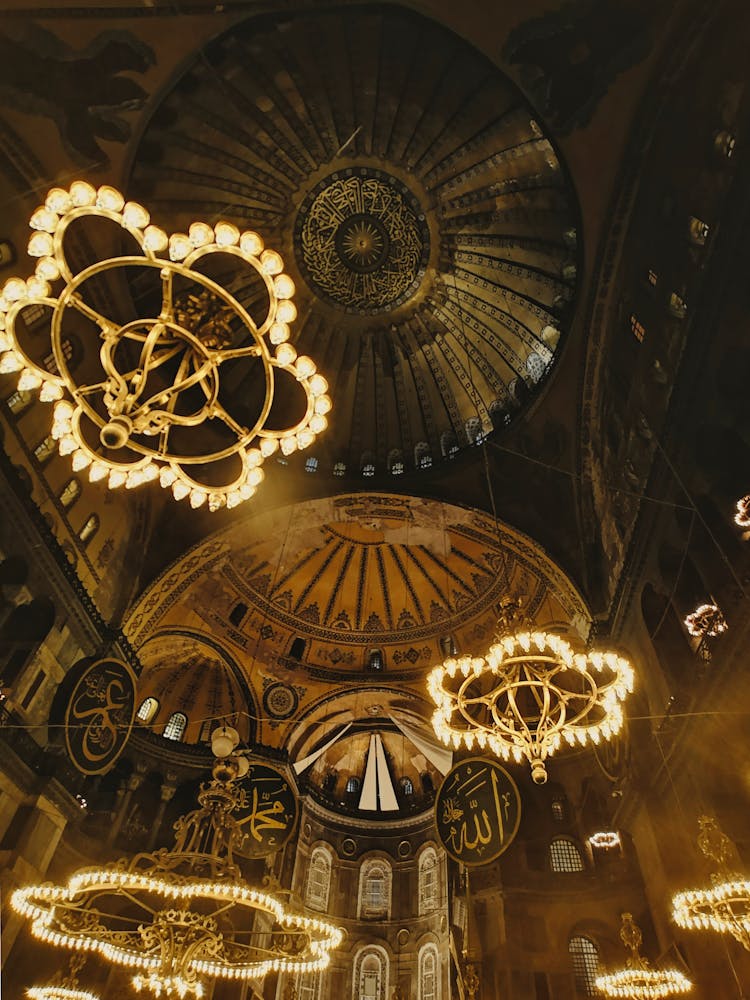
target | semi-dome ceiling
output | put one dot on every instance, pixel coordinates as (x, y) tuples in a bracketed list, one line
[(424, 215)]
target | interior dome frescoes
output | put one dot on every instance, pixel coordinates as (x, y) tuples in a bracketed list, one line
[(374, 567)]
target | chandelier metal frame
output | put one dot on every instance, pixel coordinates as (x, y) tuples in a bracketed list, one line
[(181, 916), (724, 906), (638, 980), (529, 694), (135, 408)]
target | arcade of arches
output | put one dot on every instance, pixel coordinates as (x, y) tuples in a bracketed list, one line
[(518, 235)]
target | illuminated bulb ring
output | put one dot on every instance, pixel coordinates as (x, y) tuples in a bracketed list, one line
[(48, 906), (643, 983), (485, 700), (724, 907), (142, 412), (59, 993)]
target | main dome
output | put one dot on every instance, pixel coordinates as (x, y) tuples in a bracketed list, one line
[(425, 216)]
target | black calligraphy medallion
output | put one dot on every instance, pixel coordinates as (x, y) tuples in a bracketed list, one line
[(477, 811), (269, 811), (99, 715)]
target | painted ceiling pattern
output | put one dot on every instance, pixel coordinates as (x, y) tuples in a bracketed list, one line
[(357, 569), (426, 218)]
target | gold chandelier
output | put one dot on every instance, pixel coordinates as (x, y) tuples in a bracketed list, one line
[(638, 981), (133, 417), (724, 906), (527, 696), (177, 918), (63, 988), (706, 620)]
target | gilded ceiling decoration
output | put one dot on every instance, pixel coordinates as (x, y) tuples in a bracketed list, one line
[(362, 241), (425, 217), (356, 569)]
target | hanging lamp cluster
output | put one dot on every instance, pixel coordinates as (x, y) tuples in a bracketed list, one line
[(154, 397), (530, 695), (724, 905), (638, 980), (182, 917)]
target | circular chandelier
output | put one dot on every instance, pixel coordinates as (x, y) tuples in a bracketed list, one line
[(742, 517), (177, 918), (706, 620), (527, 696), (63, 988), (638, 981), (724, 906), (154, 397)]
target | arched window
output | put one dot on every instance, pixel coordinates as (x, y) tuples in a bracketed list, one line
[(175, 727), (428, 881), (375, 660), (352, 785), (297, 650), (367, 464), (237, 614), (585, 957), (374, 889), (45, 449), (395, 462), (422, 455), (474, 430), (308, 986), (311, 464), (18, 402), (407, 786), (429, 979), (89, 528), (448, 444), (558, 810), (371, 974), (70, 493), (564, 856), (147, 711), (339, 469), (448, 645), (318, 880)]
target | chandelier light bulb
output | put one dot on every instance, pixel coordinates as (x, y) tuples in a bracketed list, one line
[(271, 262), (135, 216), (40, 245), (227, 235), (251, 244), (200, 234), (286, 311), (82, 194), (109, 198), (318, 423), (139, 436), (283, 286)]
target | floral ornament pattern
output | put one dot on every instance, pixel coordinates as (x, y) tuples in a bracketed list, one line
[(153, 400)]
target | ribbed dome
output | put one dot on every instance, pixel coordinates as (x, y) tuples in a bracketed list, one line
[(424, 215)]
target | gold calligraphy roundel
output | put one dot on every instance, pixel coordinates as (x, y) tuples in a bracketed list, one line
[(362, 240), (99, 714), (477, 811), (268, 814)]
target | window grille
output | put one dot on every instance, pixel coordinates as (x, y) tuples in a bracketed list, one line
[(147, 711), (318, 880), (175, 727), (428, 978), (70, 493), (311, 464), (585, 957), (339, 469), (638, 329), (428, 881), (89, 529), (45, 449), (564, 856)]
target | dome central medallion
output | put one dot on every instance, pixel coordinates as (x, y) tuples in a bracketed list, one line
[(362, 240)]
